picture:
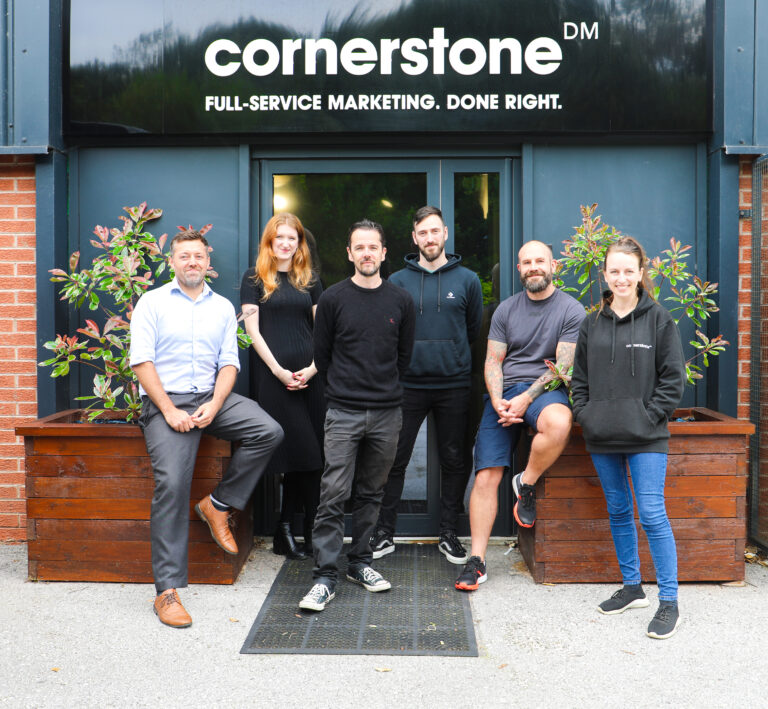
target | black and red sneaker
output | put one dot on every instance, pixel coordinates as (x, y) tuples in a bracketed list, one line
[(525, 503), (473, 575)]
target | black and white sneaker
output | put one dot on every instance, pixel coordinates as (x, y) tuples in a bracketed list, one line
[(370, 579), (453, 550), (473, 575), (318, 598), (525, 504), (665, 622), (382, 544), (625, 598)]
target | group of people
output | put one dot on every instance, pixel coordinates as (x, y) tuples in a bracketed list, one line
[(345, 377)]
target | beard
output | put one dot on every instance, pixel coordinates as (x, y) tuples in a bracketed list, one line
[(437, 254), (372, 268), (191, 280), (541, 282)]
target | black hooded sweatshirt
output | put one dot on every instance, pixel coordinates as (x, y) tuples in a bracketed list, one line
[(628, 377)]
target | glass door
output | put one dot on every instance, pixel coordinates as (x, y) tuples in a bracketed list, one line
[(329, 195)]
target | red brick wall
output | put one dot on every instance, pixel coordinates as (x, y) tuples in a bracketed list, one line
[(18, 354), (745, 287), (746, 202)]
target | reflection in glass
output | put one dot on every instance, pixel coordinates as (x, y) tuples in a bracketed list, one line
[(476, 240), (328, 204)]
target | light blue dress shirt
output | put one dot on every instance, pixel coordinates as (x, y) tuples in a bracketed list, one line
[(187, 340)]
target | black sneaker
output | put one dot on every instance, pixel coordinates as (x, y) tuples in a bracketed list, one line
[(370, 579), (473, 575), (525, 506), (453, 550), (665, 622), (382, 544), (624, 599), (318, 598)]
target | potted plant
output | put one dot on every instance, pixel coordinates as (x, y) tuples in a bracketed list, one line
[(89, 485), (706, 483)]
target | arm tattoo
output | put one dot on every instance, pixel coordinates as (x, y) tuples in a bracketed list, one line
[(494, 376), (564, 355)]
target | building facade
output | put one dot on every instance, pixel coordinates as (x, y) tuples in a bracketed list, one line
[(509, 117)]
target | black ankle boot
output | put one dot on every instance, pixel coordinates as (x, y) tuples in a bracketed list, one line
[(284, 543), (308, 550)]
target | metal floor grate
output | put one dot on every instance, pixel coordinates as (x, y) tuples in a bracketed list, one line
[(423, 614)]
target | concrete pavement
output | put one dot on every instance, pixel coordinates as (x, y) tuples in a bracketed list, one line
[(88, 645)]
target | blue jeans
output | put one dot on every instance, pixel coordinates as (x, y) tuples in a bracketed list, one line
[(648, 472)]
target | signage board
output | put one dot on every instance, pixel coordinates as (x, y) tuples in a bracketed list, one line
[(179, 67)]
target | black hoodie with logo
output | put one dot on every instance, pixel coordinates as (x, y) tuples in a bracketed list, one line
[(628, 377), (449, 310)]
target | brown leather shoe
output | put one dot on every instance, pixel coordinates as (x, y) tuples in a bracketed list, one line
[(218, 523), (169, 610)]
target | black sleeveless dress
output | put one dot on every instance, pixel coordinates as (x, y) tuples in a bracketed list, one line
[(285, 323)]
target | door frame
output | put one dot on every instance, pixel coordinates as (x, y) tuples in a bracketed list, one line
[(439, 172)]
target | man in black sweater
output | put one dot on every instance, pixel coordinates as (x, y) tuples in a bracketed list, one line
[(363, 340)]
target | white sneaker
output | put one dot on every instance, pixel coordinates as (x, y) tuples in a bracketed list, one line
[(318, 598)]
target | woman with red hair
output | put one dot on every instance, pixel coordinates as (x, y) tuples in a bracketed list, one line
[(279, 298)]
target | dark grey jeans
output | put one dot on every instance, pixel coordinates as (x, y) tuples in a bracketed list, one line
[(359, 449), (173, 456)]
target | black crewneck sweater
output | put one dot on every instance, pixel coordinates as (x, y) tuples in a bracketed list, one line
[(363, 342)]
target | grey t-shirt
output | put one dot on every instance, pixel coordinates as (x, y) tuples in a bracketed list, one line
[(531, 330)]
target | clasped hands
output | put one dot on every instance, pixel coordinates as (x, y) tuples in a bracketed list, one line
[(182, 421), (511, 411), (294, 381)]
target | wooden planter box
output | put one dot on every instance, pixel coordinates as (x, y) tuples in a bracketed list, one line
[(706, 490), (89, 489)]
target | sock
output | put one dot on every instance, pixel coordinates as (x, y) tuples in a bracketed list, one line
[(220, 506)]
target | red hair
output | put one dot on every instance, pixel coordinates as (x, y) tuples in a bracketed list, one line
[(300, 273)]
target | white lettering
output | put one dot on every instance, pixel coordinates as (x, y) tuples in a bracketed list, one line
[(570, 30), (312, 47), (467, 56), (261, 45), (515, 55), (418, 62), (438, 44), (543, 56), (221, 45), (467, 45), (358, 56), (388, 46), (290, 47)]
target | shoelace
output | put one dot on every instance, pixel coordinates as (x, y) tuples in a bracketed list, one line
[(662, 614), (527, 495), (474, 564), (369, 575), (169, 599), (317, 592), (452, 539)]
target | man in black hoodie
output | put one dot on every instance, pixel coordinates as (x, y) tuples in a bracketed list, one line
[(449, 304)]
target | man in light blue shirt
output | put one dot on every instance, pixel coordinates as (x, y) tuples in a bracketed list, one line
[(184, 354)]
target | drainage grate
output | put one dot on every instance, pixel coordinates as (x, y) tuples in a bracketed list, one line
[(423, 614)]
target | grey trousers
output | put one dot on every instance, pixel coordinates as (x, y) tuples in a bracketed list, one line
[(173, 456), (359, 449)]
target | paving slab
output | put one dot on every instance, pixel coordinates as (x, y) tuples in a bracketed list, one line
[(89, 644)]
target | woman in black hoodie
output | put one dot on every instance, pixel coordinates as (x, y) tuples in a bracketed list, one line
[(628, 377)]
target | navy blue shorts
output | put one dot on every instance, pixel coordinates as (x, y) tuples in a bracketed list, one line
[(495, 443)]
